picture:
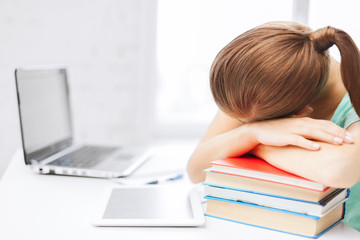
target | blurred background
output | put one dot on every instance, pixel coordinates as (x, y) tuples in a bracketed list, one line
[(138, 69)]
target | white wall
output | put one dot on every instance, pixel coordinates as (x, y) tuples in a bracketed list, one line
[(109, 49)]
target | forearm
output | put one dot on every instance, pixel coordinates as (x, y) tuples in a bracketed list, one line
[(332, 165), (233, 143), (226, 137)]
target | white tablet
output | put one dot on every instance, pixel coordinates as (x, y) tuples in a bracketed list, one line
[(167, 205)]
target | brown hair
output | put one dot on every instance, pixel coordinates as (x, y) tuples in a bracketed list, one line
[(276, 69)]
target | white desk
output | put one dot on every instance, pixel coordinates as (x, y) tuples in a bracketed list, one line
[(36, 206)]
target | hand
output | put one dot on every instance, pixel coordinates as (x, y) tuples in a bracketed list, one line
[(299, 132)]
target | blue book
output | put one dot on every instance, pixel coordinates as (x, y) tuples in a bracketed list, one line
[(319, 209), (273, 218)]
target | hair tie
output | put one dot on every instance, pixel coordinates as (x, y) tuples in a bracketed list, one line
[(323, 38)]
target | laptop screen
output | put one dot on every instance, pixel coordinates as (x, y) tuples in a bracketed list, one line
[(44, 111)]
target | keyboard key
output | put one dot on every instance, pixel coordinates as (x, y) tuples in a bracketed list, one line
[(84, 157)]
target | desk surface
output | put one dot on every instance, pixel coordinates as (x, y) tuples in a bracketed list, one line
[(34, 206)]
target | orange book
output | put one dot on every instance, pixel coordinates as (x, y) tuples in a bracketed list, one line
[(256, 168)]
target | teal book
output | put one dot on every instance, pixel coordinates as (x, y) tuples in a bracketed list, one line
[(272, 218)]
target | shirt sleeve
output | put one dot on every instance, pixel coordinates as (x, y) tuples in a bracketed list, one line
[(350, 118), (345, 114)]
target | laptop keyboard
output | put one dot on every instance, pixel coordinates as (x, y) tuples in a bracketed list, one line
[(84, 157)]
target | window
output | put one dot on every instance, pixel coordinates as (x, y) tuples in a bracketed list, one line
[(190, 34)]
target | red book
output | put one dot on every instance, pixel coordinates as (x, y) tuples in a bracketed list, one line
[(256, 168)]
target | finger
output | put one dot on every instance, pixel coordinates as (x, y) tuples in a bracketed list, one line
[(281, 140), (332, 133), (302, 142), (349, 138), (337, 132), (323, 136)]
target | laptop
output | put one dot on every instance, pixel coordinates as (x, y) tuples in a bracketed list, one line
[(47, 133)]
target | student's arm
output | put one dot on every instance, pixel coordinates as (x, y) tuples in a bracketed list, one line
[(225, 137), (332, 165), (228, 137)]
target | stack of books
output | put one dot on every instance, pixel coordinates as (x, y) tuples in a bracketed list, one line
[(249, 190)]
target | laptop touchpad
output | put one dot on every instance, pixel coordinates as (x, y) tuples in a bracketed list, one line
[(117, 163)]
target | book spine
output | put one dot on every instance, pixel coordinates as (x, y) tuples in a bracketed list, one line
[(260, 193), (263, 207), (281, 180)]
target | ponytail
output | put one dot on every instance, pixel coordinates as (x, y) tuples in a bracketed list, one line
[(323, 39)]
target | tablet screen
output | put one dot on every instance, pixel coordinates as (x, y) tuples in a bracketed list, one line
[(151, 206), (147, 203)]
